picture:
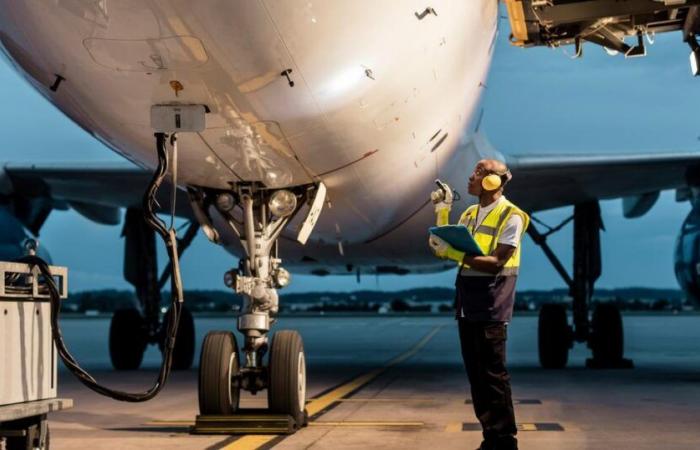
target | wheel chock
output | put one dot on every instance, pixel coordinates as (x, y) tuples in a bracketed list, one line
[(251, 421)]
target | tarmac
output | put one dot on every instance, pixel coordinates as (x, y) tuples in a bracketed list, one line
[(398, 382)]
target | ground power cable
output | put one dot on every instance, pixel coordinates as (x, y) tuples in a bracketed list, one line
[(169, 237)]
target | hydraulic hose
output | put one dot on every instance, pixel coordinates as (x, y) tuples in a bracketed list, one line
[(170, 239)]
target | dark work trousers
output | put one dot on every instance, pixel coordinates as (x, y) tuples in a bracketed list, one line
[(484, 354)]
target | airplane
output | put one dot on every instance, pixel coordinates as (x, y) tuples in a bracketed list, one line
[(314, 133)]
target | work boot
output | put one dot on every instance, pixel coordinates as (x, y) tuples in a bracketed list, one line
[(505, 443), (487, 445)]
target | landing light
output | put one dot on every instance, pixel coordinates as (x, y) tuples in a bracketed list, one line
[(282, 277), (225, 202), (230, 278), (282, 203)]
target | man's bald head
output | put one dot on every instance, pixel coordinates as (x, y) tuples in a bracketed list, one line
[(493, 166)]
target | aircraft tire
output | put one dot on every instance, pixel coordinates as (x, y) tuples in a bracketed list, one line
[(127, 339), (607, 335), (286, 393), (219, 364), (183, 356), (553, 336)]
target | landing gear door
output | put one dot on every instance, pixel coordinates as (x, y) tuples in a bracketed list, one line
[(312, 215)]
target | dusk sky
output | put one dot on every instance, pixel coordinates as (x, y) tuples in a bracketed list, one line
[(537, 101)]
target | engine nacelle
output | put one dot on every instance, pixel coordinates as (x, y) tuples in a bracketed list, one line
[(687, 256), (13, 236)]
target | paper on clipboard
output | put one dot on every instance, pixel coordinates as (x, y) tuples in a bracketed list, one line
[(459, 237)]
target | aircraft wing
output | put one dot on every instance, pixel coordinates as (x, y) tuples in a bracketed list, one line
[(550, 181), (540, 182), (96, 191)]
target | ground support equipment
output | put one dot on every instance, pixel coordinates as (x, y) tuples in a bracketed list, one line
[(29, 386)]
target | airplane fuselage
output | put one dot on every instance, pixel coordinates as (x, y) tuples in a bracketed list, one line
[(375, 99)]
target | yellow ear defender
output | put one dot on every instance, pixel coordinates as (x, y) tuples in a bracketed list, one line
[(491, 182)]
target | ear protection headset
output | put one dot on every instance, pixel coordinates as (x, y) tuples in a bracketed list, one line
[(495, 180)]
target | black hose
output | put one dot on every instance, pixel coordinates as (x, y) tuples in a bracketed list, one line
[(170, 240)]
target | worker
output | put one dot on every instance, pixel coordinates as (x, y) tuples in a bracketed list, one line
[(485, 293)]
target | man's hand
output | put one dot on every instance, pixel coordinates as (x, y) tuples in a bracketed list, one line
[(439, 246), (442, 198)]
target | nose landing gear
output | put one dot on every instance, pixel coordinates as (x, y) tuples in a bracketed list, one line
[(224, 371)]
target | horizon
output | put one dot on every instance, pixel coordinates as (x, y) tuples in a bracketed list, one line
[(519, 291)]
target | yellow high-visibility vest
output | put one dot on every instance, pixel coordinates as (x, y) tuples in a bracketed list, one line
[(489, 230)]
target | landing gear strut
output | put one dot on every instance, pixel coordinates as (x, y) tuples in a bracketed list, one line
[(133, 329), (257, 216), (604, 332)]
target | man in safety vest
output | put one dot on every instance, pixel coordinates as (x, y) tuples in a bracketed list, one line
[(485, 294)]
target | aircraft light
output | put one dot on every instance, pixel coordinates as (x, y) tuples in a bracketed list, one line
[(282, 203), (282, 277)]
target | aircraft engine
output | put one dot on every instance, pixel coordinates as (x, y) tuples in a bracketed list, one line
[(687, 256), (13, 236)]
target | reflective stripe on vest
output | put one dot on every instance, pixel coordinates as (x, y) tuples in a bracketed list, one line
[(488, 232)]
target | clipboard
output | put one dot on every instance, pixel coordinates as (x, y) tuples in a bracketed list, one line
[(459, 237)]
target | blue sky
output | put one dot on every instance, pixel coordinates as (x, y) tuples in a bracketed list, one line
[(537, 101)]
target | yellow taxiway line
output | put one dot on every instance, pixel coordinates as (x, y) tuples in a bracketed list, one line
[(319, 423), (387, 400), (367, 423)]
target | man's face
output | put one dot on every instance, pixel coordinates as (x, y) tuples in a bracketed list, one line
[(483, 168), (474, 185)]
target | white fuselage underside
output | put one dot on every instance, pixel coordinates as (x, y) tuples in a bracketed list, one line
[(380, 107)]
